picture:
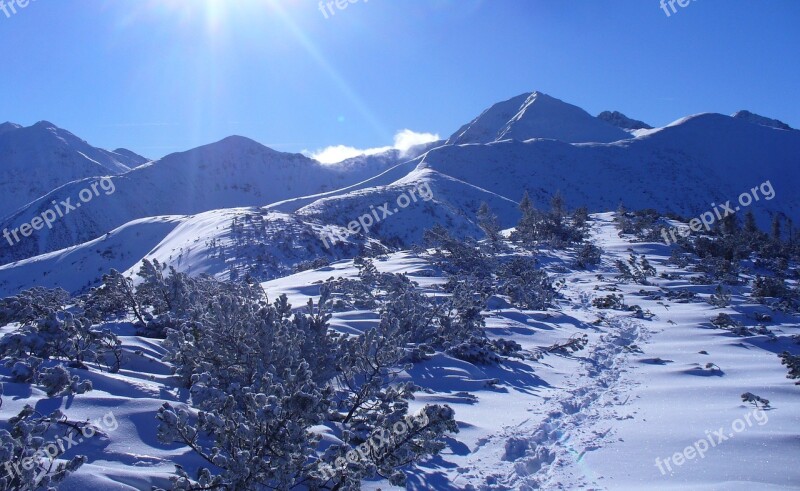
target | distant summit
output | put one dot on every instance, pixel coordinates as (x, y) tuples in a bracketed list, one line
[(536, 115), (621, 121), (762, 120)]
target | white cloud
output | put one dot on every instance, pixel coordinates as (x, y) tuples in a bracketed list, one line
[(403, 141)]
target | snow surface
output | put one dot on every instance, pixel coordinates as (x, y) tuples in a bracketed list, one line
[(597, 419)]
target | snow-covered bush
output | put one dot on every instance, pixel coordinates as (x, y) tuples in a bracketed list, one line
[(574, 344), (636, 270), (526, 286), (792, 362), (262, 376), (30, 305), (754, 399), (460, 257), (117, 297), (721, 297), (62, 336), (610, 301), (484, 351), (588, 255), (27, 452), (554, 228), (57, 381)]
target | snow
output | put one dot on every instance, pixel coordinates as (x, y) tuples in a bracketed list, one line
[(536, 115), (595, 419), (39, 158)]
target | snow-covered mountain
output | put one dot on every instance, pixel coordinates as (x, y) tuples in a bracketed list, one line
[(536, 115), (682, 168), (762, 120), (234, 172), (621, 121), (41, 157)]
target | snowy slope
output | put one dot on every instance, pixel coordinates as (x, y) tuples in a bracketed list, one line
[(679, 169), (762, 120), (595, 419), (621, 121), (536, 115), (39, 158), (227, 244), (234, 172)]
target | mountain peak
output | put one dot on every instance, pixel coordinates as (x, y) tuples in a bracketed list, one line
[(761, 120), (8, 126), (536, 115), (45, 124), (621, 121)]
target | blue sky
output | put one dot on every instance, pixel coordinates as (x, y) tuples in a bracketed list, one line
[(169, 75)]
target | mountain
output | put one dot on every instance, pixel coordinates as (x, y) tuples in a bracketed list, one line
[(682, 168), (762, 120), (536, 115), (686, 168), (234, 172), (134, 159), (621, 121), (39, 158)]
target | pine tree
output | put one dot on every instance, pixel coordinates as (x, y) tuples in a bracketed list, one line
[(750, 228), (776, 228), (557, 208), (487, 221)]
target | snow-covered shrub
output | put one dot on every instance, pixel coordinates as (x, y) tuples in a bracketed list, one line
[(367, 367), (574, 344), (723, 320), (62, 336), (260, 434), (636, 270), (386, 450), (719, 269), (792, 362), (754, 399), (58, 382), (27, 452), (526, 286), (588, 255), (30, 305), (117, 297), (554, 228), (768, 286), (721, 297), (483, 351), (681, 296), (611, 301), (487, 221), (262, 376), (317, 263), (460, 257)]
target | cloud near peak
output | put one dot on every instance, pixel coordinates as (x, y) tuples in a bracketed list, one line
[(403, 141)]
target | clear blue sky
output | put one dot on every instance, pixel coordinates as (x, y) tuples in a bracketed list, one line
[(168, 75)]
